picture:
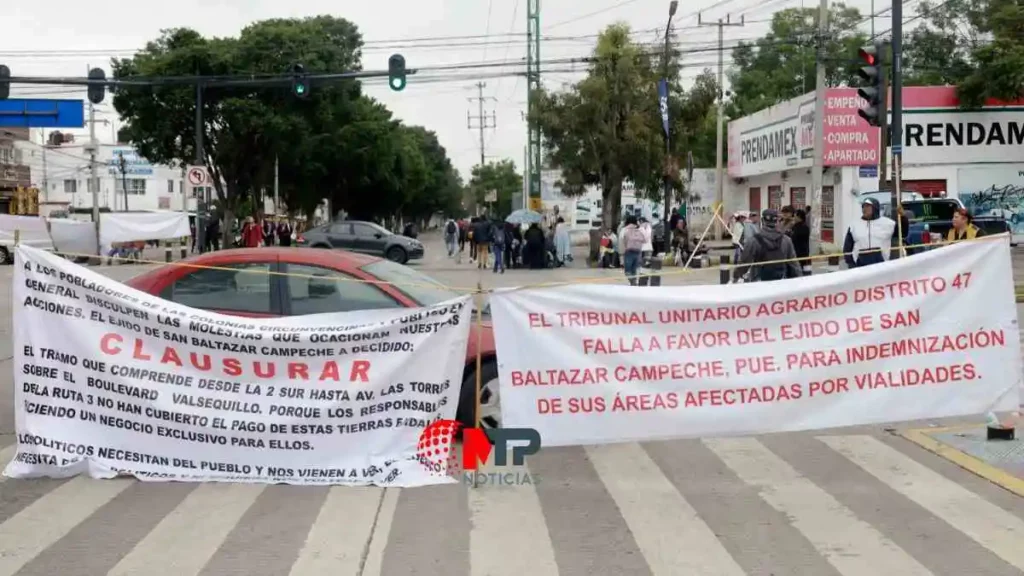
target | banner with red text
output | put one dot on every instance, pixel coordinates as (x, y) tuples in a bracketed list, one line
[(111, 381), (930, 336)]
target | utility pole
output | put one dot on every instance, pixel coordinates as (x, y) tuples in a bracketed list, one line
[(533, 166), (670, 166), (277, 184), (897, 113), (46, 174), (124, 178), (483, 121), (719, 144), (817, 181), (94, 180)]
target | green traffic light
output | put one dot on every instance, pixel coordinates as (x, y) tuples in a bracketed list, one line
[(300, 89), (397, 84)]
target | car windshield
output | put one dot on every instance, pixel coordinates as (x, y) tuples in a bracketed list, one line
[(929, 211), (422, 288)]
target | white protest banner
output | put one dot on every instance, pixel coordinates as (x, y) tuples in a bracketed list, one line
[(929, 336), (110, 380)]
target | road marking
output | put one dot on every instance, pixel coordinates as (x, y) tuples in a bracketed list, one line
[(669, 532), (851, 545), (379, 539), (48, 519), (341, 533), (185, 540), (987, 524), (924, 438), (507, 518)]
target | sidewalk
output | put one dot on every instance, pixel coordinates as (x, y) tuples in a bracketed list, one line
[(998, 461)]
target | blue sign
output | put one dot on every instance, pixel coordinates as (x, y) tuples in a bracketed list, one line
[(663, 104), (869, 171), (18, 113), (133, 163)]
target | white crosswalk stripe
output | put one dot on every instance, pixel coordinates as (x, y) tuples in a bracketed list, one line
[(648, 508), (989, 525)]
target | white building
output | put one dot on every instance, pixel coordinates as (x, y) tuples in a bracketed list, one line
[(66, 169), (975, 155)]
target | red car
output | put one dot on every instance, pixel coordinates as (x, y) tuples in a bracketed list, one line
[(218, 287)]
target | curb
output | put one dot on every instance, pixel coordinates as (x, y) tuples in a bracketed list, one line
[(922, 437)]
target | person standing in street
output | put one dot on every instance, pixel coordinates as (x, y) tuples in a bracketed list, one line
[(451, 236), (800, 233), (869, 239), (498, 241), (482, 241), (769, 254), (284, 233), (631, 239), (963, 227)]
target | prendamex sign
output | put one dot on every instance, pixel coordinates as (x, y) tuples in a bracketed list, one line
[(781, 143)]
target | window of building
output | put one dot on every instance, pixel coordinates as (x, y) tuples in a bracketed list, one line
[(7, 156), (316, 290), (181, 186), (170, 186), (136, 186), (70, 186), (232, 288)]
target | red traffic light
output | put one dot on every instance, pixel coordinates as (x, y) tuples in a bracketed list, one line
[(871, 54)]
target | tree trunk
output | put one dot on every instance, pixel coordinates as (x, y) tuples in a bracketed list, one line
[(611, 195)]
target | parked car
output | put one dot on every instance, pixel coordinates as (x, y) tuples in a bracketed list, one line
[(365, 238), (240, 282)]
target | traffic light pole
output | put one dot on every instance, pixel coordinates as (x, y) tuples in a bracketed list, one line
[(897, 113), (200, 156)]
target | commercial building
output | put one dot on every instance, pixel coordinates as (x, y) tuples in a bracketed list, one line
[(15, 171), (976, 155), (65, 175)]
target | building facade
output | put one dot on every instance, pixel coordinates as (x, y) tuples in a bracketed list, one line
[(977, 156), (15, 170), (65, 178)]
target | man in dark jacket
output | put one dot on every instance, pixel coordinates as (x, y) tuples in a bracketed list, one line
[(769, 254), (801, 235), (482, 240)]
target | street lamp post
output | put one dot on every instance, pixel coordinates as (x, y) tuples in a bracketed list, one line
[(666, 233)]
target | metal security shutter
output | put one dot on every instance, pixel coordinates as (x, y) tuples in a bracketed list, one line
[(926, 188)]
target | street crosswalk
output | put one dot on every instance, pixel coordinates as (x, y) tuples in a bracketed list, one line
[(861, 503)]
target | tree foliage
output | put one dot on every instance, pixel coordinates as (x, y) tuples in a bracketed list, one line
[(607, 127), (336, 143), (500, 177), (781, 65)]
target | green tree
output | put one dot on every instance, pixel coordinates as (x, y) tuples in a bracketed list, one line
[(939, 50), (781, 64), (500, 178), (607, 127), (998, 63)]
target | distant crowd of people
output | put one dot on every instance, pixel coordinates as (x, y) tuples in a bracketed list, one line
[(498, 245), (247, 233)]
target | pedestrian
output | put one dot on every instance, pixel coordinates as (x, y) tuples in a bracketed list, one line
[(769, 255), (498, 243), (648, 250), (252, 233), (470, 230), (631, 239), (533, 249), (284, 233), (869, 239), (482, 240), (963, 227), (736, 231), (786, 222), (451, 236), (268, 231), (563, 246), (212, 237), (800, 233)]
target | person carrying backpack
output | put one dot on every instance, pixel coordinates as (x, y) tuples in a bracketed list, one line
[(451, 236), (498, 240), (763, 251), (631, 239)]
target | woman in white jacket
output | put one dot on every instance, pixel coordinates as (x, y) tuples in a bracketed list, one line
[(648, 232)]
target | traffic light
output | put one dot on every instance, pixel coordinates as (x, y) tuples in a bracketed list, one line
[(5, 84), (872, 88), (396, 72), (97, 91), (300, 83)]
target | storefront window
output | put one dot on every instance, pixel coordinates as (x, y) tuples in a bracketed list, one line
[(828, 212), (775, 197), (798, 197)]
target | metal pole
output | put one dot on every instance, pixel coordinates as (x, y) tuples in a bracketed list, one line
[(719, 169), (124, 181), (897, 111), (94, 180), (666, 231), (277, 185), (481, 119), (819, 131), (199, 161)]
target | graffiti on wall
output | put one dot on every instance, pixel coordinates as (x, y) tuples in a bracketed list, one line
[(995, 192)]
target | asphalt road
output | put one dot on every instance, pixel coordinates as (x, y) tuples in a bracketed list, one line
[(851, 502)]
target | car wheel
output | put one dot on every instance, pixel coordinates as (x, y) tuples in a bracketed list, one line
[(397, 254), (490, 399), (5, 256)]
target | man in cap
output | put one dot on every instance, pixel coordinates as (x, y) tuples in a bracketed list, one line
[(769, 253), (869, 239)]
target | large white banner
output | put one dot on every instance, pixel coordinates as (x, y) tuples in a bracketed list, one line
[(930, 336), (138, 226), (114, 381)]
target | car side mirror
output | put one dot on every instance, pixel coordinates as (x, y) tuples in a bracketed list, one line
[(378, 235)]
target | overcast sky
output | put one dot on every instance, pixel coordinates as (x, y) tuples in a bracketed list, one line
[(64, 37)]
